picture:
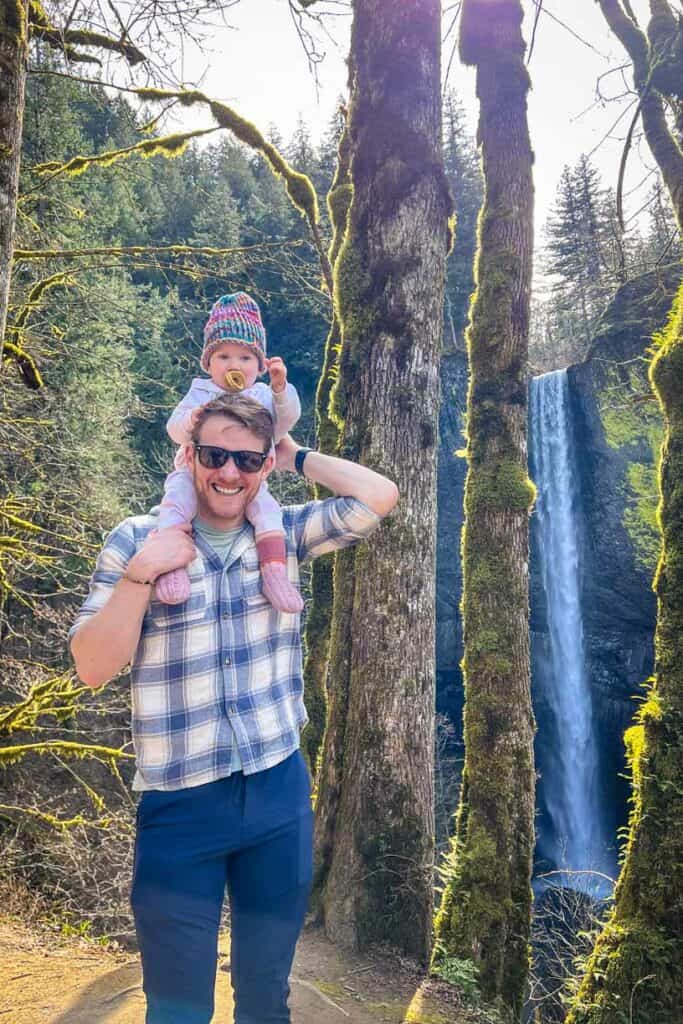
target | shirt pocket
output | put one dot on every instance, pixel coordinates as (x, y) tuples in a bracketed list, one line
[(190, 612), (250, 581)]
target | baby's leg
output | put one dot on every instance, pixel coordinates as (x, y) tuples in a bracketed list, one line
[(265, 515), (179, 505)]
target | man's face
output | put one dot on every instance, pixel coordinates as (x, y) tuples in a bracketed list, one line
[(223, 494)]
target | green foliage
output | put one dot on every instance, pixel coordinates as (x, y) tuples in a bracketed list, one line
[(462, 973)]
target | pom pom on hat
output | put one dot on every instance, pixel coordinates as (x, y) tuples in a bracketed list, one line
[(234, 318)]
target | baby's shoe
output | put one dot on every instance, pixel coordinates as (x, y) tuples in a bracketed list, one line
[(173, 587), (278, 589)]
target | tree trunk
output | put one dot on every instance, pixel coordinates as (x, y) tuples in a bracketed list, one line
[(635, 972), (374, 831), (13, 58), (327, 435), (486, 905)]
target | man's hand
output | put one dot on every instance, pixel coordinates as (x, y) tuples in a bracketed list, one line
[(285, 450), (162, 551), (278, 374)]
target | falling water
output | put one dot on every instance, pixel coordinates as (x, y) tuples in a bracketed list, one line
[(572, 836)]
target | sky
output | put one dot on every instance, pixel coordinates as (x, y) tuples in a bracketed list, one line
[(257, 64)]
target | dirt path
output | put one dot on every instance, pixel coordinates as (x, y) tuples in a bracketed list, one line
[(48, 980)]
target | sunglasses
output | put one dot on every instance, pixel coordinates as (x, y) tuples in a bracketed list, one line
[(211, 457)]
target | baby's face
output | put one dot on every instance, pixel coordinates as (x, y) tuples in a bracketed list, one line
[(233, 357)]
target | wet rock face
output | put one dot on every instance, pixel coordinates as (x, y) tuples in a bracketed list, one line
[(618, 431)]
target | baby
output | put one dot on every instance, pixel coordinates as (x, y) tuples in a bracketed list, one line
[(234, 355)]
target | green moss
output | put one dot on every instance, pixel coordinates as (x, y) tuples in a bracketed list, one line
[(640, 517), (501, 487), (13, 21), (167, 145), (633, 425), (315, 667)]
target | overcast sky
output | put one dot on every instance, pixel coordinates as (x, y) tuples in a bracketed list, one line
[(257, 64)]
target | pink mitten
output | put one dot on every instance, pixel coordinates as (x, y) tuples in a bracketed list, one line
[(173, 587)]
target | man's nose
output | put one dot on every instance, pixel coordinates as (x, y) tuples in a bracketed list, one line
[(229, 470)]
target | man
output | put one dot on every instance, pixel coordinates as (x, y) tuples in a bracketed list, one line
[(217, 705)]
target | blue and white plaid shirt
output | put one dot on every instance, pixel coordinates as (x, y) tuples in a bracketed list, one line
[(224, 666)]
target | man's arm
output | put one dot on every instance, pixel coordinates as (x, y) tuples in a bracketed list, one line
[(344, 478), (106, 641)]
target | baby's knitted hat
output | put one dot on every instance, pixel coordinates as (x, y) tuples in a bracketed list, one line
[(234, 318)]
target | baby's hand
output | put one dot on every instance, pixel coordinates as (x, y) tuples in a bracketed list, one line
[(191, 419), (278, 374)]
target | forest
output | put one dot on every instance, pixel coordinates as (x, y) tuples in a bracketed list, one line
[(494, 683)]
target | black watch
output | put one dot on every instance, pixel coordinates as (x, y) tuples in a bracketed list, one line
[(299, 460)]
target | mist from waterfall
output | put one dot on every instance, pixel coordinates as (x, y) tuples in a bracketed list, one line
[(571, 833)]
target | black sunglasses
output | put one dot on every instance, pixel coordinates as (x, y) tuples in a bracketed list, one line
[(212, 457)]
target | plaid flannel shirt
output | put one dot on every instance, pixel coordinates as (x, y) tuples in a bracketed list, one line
[(225, 666)]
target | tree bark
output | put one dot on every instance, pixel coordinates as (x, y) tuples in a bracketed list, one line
[(635, 972), (319, 618), (13, 60), (485, 910), (374, 830)]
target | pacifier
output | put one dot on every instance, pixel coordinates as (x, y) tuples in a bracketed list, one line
[(235, 380)]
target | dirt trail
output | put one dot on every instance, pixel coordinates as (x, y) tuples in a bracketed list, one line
[(48, 980)]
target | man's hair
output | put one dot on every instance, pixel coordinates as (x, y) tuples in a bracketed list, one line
[(242, 410)]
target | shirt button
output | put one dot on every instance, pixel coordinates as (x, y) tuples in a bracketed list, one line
[(228, 661), (232, 708)]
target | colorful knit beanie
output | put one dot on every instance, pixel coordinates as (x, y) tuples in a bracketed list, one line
[(234, 318)]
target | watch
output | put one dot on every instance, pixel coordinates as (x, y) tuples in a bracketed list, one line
[(299, 460)]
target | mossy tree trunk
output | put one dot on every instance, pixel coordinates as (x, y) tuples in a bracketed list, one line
[(13, 59), (374, 830), (486, 904), (635, 972), (327, 437)]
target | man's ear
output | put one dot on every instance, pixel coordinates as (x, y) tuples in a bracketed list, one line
[(190, 453), (269, 464)]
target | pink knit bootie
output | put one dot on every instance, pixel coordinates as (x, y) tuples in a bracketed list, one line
[(173, 587), (277, 588)]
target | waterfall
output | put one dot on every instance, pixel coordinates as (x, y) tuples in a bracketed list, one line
[(571, 834)]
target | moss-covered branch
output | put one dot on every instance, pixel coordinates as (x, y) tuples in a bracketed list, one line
[(169, 146), (65, 748), (57, 697), (40, 27)]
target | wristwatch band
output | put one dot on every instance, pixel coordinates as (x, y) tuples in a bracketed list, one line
[(299, 460)]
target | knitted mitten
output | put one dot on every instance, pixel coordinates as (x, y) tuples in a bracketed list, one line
[(277, 587), (173, 587)]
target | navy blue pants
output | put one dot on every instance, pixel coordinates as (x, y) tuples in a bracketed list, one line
[(251, 833)]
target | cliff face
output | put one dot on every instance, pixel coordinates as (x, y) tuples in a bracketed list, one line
[(618, 430)]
